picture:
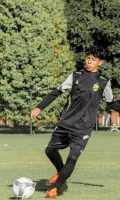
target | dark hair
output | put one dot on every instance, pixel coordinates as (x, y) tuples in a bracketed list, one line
[(96, 51)]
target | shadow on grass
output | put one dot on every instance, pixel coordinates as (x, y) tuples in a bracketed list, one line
[(14, 198), (41, 186), (89, 184)]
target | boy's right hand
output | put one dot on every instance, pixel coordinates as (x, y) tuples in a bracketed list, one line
[(35, 112)]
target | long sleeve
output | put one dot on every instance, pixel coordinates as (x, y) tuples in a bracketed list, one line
[(108, 94), (48, 99), (114, 105)]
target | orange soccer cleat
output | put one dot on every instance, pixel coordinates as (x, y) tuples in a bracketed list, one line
[(52, 180), (52, 193)]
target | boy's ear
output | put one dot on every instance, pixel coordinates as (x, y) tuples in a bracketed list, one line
[(101, 62)]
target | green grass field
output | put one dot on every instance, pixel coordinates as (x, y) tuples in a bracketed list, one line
[(96, 176)]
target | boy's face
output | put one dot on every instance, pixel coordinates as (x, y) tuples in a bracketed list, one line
[(92, 63)]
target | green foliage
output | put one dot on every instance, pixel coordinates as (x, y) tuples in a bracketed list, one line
[(34, 55), (96, 22), (108, 33), (80, 20)]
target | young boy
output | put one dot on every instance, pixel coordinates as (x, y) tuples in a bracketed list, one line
[(74, 129)]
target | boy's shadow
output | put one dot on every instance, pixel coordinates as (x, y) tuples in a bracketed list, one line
[(13, 198), (41, 186)]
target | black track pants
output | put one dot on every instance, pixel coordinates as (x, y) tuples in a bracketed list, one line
[(66, 170)]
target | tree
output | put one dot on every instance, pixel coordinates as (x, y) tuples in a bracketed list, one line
[(80, 22), (96, 22), (34, 55)]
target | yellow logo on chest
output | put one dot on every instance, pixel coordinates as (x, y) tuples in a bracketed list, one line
[(95, 87)]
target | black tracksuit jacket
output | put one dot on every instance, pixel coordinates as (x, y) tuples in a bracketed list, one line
[(86, 91)]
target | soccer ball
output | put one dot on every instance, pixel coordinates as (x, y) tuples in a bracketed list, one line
[(23, 188)]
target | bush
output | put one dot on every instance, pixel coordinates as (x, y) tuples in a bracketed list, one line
[(34, 55)]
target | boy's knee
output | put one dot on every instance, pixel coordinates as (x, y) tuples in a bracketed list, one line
[(75, 152), (50, 151), (73, 158)]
